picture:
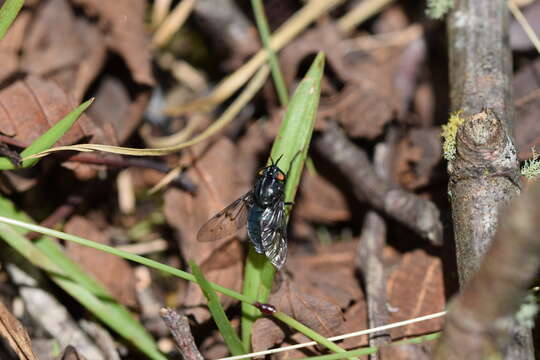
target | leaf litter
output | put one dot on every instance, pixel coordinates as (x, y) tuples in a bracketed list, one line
[(381, 85)]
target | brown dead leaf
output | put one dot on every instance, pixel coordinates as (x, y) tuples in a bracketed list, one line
[(29, 107), (101, 264), (321, 201), (408, 351), (63, 47), (416, 288), (221, 261), (355, 320), (11, 45), (322, 316), (122, 22), (317, 274), (15, 335), (115, 110), (366, 102)]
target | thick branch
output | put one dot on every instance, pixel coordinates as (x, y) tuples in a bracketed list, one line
[(479, 318), (483, 177)]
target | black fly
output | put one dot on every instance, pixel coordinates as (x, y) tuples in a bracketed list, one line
[(263, 210)]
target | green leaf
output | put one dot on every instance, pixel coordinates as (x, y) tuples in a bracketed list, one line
[(8, 13), (292, 143), (47, 255), (224, 325), (48, 139)]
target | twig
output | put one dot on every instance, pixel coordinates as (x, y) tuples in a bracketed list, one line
[(411, 210), (370, 256), (483, 177), (179, 327), (370, 262), (480, 318)]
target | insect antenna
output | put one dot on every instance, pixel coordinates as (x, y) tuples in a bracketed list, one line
[(277, 161)]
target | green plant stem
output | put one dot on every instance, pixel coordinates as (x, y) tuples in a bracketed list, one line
[(8, 13), (308, 332), (258, 279), (264, 31)]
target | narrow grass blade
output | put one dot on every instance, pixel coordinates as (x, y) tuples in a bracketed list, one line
[(8, 13), (72, 279), (126, 255), (264, 32), (224, 325), (228, 115), (292, 144), (48, 139)]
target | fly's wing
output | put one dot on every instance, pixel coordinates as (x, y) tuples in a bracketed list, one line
[(228, 221), (274, 234)]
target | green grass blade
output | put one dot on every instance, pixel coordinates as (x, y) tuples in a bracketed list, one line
[(48, 139), (291, 143), (47, 255), (310, 333), (264, 32), (8, 13), (124, 254), (224, 325)]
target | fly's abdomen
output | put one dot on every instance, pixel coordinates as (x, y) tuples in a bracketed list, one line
[(254, 228)]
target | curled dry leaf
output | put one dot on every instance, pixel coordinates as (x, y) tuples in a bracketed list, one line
[(15, 335), (220, 261), (322, 316), (122, 22), (416, 288), (101, 264)]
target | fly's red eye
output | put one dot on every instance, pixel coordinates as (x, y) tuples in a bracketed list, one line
[(280, 176)]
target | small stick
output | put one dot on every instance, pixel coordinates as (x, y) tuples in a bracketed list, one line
[(419, 214), (179, 327)]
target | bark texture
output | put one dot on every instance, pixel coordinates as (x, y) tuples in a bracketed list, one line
[(484, 174), (479, 318)]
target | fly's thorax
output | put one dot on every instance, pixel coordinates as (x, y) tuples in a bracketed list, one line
[(269, 186)]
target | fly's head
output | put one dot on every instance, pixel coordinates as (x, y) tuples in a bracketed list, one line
[(269, 185)]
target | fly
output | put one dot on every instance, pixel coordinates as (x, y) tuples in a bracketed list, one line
[(263, 210)]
